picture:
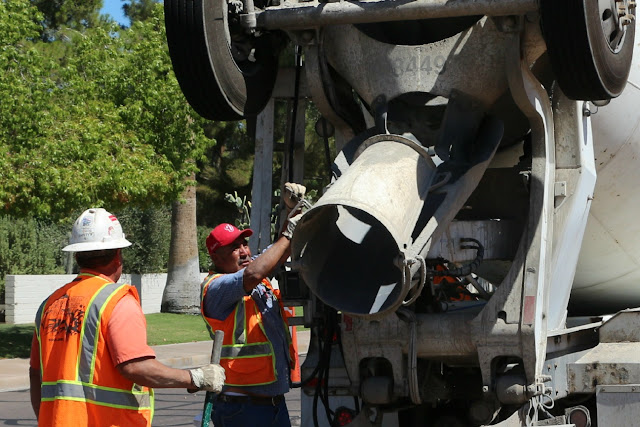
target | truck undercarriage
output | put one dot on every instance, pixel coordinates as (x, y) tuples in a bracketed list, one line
[(441, 258)]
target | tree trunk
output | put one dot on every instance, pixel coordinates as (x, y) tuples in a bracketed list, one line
[(182, 292)]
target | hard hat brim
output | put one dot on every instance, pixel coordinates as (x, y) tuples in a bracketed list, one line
[(96, 246)]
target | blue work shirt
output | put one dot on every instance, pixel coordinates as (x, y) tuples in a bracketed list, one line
[(221, 298)]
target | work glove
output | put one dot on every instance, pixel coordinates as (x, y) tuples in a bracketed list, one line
[(210, 377), (291, 225), (293, 193)]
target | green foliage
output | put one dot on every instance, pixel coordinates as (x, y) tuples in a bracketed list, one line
[(139, 10), (243, 209), (29, 246), (32, 246), (95, 118), (227, 167), (75, 14), (317, 170), (149, 231), (203, 255)]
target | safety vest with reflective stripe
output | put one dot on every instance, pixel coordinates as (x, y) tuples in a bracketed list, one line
[(80, 384), (247, 354)]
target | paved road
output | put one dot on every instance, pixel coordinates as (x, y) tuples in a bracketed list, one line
[(173, 408)]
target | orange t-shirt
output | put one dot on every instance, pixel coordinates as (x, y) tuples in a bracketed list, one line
[(126, 334)]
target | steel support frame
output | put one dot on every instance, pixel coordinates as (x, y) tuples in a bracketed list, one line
[(314, 14), (262, 182), (514, 322), (261, 191)]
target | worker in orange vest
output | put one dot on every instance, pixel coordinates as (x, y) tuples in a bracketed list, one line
[(90, 362), (257, 351)]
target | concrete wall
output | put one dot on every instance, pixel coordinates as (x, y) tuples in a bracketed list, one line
[(25, 293)]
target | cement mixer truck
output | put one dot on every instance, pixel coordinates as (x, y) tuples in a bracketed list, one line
[(476, 258)]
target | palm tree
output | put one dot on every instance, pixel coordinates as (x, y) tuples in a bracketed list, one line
[(182, 292)]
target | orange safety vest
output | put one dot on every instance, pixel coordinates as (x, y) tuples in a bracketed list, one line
[(80, 384), (247, 354), (295, 372)]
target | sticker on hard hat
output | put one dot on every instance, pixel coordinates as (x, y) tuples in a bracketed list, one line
[(113, 218), (87, 235)]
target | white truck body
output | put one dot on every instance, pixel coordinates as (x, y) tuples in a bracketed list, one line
[(608, 270)]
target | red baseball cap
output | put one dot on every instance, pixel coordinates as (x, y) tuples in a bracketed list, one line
[(223, 235)]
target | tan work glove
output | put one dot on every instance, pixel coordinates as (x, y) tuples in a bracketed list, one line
[(210, 377), (291, 225), (292, 194)]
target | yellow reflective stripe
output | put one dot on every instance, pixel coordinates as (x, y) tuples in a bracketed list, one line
[(103, 306), (39, 315), (272, 352), (90, 331), (83, 361), (104, 396), (245, 350), (153, 404), (240, 324), (205, 285)]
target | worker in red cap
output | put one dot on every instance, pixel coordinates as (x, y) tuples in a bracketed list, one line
[(257, 351)]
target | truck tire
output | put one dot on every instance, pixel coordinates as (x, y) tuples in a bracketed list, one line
[(209, 59), (590, 55)]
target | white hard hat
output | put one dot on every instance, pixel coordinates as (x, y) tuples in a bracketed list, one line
[(95, 230)]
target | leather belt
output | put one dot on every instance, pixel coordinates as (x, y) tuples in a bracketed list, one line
[(256, 400)]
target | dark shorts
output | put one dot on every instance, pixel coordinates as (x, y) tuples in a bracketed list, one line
[(234, 414)]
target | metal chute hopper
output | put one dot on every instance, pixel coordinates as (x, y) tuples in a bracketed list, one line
[(357, 247), (349, 247)]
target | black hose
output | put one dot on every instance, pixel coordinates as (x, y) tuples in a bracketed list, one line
[(324, 384), (294, 113), (306, 380), (325, 340), (327, 150)]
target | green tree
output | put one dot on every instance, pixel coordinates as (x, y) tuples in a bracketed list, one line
[(92, 117), (101, 122), (29, 246), (76, 14), (149, 231), (226, 167), (139, 10)]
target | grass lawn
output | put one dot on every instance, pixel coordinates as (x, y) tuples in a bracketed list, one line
[(15, 340), (162, 328), (167, 328)]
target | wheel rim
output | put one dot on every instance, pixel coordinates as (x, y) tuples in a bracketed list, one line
[(589, 46), (246, 66), (612, 28), (212, 62)]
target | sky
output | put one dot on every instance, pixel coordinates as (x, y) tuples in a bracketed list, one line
[(114, 8)]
